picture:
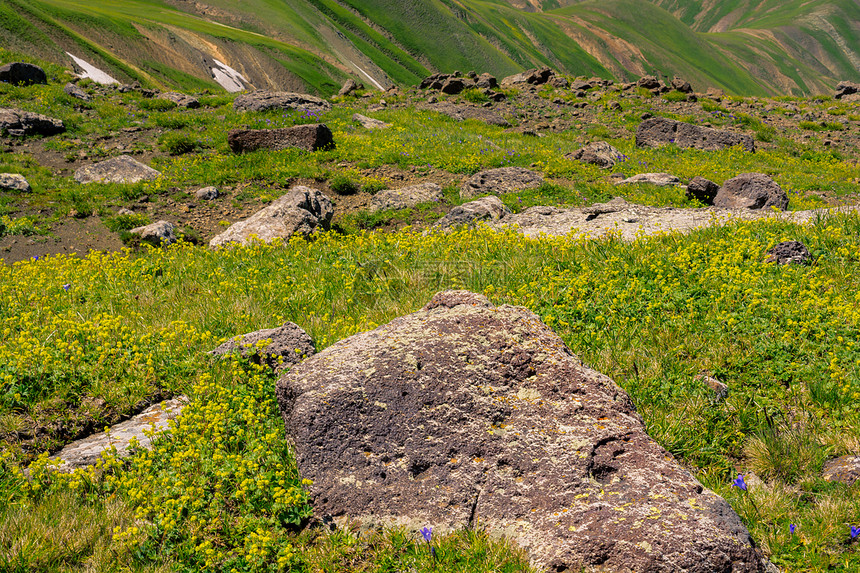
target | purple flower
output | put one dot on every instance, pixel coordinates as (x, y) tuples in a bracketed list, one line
[(426, 533), (791, 528), (66, 287), (36, 258), (855, 531), (739, 482)]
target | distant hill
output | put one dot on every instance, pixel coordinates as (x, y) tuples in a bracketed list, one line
[(765, 47)]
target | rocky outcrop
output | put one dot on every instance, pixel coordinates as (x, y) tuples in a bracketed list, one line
[(121, 169), (369, 122), (278, 348), (702, 190), (310, 137), (22, 74), (659, 131), (847, 91), (76, 92), (465, 413), (681, 85), (751, 191), (464, 112), (500, 180), (845, 469), (535, 77), (266, 101), (486, 82), (488, 208), (181, 100), (158, 233), (349, 87), (18, 122), (659, 179), (406, 197), (597, 153), (789, 252), (301, 211), (14, 182)]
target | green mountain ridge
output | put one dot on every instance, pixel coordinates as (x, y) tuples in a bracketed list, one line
[(742, 46)]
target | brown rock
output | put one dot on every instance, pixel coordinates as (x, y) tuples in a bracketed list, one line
[(844, 89), (751, 191), (454, 86), (278, 348), (658, 179), (309, 137), (789, 252), (488, 208), (369, 122), (500, 180), (649, 83), (464, 413), (464, 112), (681, 85), (536, 76), (22, 74), (19, 122), (181, 100), (486, 82), (349, 87), (265, 100), (76, 92), (659, 131), (703, 190), (406, 197), (845, 469), (122, 169), (597, 153)]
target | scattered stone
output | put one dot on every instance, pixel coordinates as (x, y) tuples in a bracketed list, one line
[(703, 190), (681, 85), (88, 451), (181, 100), (369, 122), (122, 169), (597, 153), (660, 131), (559, 82), (453, 86), (488, 208), (500, 180), (789, 252), (848, 91), (659, 179), (486, 82), (751, 191), (124, 211), (19, 123), (264, 101), (350, 87), (74, 91), (300, 211), (22, 74), (310, 137), (720, 389), (845, 469), (614, 205), (158, 233), (614, 106), (14, 182), (465, 413), (649, 83), (536, 77), (405, 197), (464, 112), (278, 348), (207, 193)]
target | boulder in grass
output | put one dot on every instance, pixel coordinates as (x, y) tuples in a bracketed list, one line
[(845, 469), (158, 233), (658, 179), (76, 92), (278, 348), (350, 87), (300, 211), (266, 101), (14, 182), (181, 100), (207, 193), (500, 180), (597, 153), (309, 137), (681, 85), (369, 122), (703, 190), (22, 74), (406, 197), (19, 123), (535, 77), (465, 413), (751, 191), (488, 208), (121, 169), (788, 252), (659, 131)]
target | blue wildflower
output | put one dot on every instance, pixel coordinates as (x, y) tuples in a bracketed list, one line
[(426, 533), (739, 482), (791, 528), (855, 531), (66, 287)]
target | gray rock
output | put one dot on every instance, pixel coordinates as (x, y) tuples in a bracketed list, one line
[(454, 86), (844, 89), (405, 197), (597, 153), (19, 123), (789, 252), (278, 348), (181, 100), (465, 413), (751, 191), (659, 131), (158, 233), (207, 193), (435, 82), (369, 122), (488, 208), (122, 169), (14, 182), (614, 205), (310, 137), (659, 179), (349, 87), (500, 180), (486, 82), (845, 469), (558, 82), (720, 389), (22, 74), (681, 85), (300, 211), (266, 101), (464, 112), (703, 190), (535, 76), (74, 91), (649, 83)]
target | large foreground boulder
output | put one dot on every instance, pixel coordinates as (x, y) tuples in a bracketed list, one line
[(659, 131), (488, 208), (406, 197), (19, 123), (121, 169), (302, 210), (22, 74), (464, 413), (277, 348), (266, 101), (751, 191), (500, 180), (310, 137)]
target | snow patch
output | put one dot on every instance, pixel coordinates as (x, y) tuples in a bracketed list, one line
[(230, 79), (92, 72), (368, 76)]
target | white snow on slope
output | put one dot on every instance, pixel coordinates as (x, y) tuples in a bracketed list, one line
[(92, 72), (230, 79)]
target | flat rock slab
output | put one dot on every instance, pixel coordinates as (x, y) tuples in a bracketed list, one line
[(597, 153), (464, 112), (658, 179), (86, 452), (276, 347), (845, 469), (488, 208), (369, 122), (19, 122), (309, 137), (121, 169), (659, 131), (406, 197), (465, 413), (500, 180), (76, 92), (158, 233), (266, 101)]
